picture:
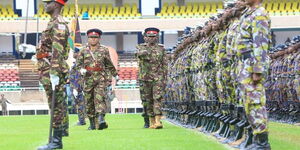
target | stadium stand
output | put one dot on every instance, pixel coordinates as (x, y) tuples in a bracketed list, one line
[(128, 74), (7, 13), (9, 72), (205, 9), (9, 77), (168, 10), (97, 11)]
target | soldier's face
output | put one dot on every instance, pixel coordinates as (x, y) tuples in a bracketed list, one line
[(93, 41), (49, 7), (153, 39)]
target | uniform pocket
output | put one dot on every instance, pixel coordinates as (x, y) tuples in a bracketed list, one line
[(255, 94)]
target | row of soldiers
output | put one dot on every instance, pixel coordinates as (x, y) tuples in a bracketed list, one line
[(216, 76), (283, 85)]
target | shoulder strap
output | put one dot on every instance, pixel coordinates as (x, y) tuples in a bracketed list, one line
[(95, 62)]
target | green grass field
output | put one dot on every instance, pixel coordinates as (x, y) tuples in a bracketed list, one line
[(125, 133)]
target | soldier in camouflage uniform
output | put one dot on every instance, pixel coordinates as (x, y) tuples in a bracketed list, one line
[(95, 65), (253, 41), (152, 72), (77, 90), (52, 54)]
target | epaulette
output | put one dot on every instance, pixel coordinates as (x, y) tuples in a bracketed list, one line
[(103, 46)]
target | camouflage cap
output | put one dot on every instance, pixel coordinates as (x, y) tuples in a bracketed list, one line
[(279, 47), (295, 40), (271, 51), (286, 45), (63, 2), (151, 31), (229, 4), (94, 33)]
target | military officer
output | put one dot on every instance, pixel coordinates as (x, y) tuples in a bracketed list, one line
[(152, 75), (95, 65)]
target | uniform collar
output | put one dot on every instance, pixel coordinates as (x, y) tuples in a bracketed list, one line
[(252, 9)]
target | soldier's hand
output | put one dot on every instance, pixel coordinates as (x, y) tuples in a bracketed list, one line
[(54, 81), (143, 52), (256, 77), (82, 71), (75, 93)]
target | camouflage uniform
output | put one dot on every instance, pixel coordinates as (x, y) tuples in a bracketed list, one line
[(52, 55), (151, 76), (95, 80), (152, 71), (252, 45), (79, 99)]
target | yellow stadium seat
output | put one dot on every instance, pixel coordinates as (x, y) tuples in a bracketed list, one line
[(201, 10), (207, 8), (220, 5), (282, 10), (214, 8), (103, 9), (182, 10)]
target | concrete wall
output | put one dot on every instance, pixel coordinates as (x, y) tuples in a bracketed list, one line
[(131, 2), (170, 40), (6, 44), (281, 36), (109, 40), (22, 4), (31, 96), (130, 42), (7, 2), (148, 7)]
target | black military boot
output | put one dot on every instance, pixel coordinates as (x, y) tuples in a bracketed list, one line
[(102, 123), (56, 142), (147, 123), (260, 142), (81, 122), (65, 131), (92, 123)]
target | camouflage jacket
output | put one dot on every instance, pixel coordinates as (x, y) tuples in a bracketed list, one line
[(54, 41), (75, 79), (102, 60), (152, 62), (255, 38)]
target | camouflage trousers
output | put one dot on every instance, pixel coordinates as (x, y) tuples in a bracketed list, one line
[(80, 106), (152, 96), (253, 97), (65, 124), (60, 118), (254, 100), (95, 96)]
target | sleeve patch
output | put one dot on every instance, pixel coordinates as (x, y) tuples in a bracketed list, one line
[(61, 27)]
